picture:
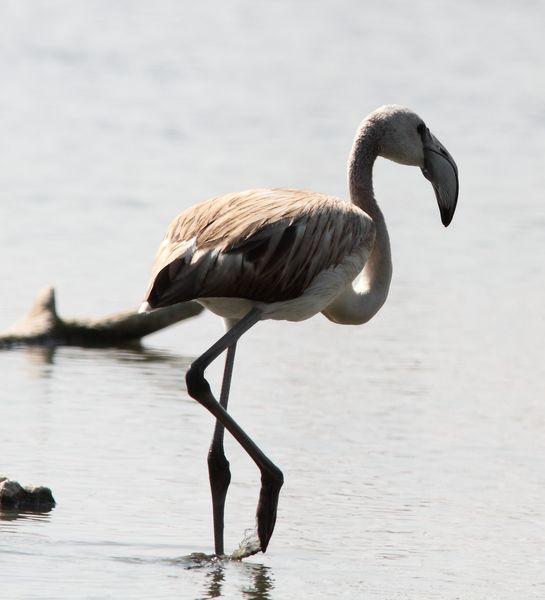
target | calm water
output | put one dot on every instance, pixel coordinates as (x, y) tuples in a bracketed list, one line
[(414, 447)]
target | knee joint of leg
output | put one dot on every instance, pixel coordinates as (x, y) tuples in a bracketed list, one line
[(276, 476), (217, 460), (218, 467), (195, 381)]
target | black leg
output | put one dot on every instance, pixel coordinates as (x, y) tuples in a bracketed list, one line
[(218, 465), (198, 388)]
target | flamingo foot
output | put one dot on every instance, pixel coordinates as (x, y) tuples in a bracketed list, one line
[(267, 507)]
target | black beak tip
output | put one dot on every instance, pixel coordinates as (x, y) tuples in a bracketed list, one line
[(446, 217)]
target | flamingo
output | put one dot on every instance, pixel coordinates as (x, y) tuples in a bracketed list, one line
[(288, 254)]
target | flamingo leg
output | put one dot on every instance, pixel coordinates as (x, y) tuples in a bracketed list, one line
[(218, 465), (199, 389)]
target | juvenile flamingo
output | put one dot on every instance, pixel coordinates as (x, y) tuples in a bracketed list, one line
[(289, 254)]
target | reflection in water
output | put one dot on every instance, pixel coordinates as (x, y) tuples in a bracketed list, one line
[(40, 355), (261, 584), (13, 515), (254, 580), (214, 579), (41, 358), (259, 580)]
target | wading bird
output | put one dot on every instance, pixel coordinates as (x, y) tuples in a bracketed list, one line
[(289, 254)]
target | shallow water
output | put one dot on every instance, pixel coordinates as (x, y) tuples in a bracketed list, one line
[(413, 447)]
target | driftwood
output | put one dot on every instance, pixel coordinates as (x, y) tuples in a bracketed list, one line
[(43, 326), (13, 496)]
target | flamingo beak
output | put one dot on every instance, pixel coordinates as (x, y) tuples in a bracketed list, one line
[(441, 170)]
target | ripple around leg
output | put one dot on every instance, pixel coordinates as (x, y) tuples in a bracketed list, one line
[(249, 545)]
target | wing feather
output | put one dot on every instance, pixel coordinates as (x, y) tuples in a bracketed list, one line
[(263, 245)]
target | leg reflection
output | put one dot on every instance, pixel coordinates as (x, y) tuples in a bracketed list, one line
[(214, 580), (261, 582), (255, 581)]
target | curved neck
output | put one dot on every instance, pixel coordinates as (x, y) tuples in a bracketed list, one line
[(368, 292)]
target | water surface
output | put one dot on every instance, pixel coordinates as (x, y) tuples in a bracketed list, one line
[(413, 447)]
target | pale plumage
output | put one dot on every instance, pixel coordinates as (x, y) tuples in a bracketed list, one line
[(289, 254), (266, 246)]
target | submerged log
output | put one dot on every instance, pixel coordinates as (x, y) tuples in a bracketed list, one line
[(43, 326), (13, 496)]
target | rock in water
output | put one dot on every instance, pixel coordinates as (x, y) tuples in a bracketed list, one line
[(14, 496)]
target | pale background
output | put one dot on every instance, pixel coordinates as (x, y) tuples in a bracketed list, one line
[(412, 447)]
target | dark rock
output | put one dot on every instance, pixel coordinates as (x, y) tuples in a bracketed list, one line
[(13, 496)]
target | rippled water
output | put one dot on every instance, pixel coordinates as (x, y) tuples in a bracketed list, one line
[(413, 447)]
